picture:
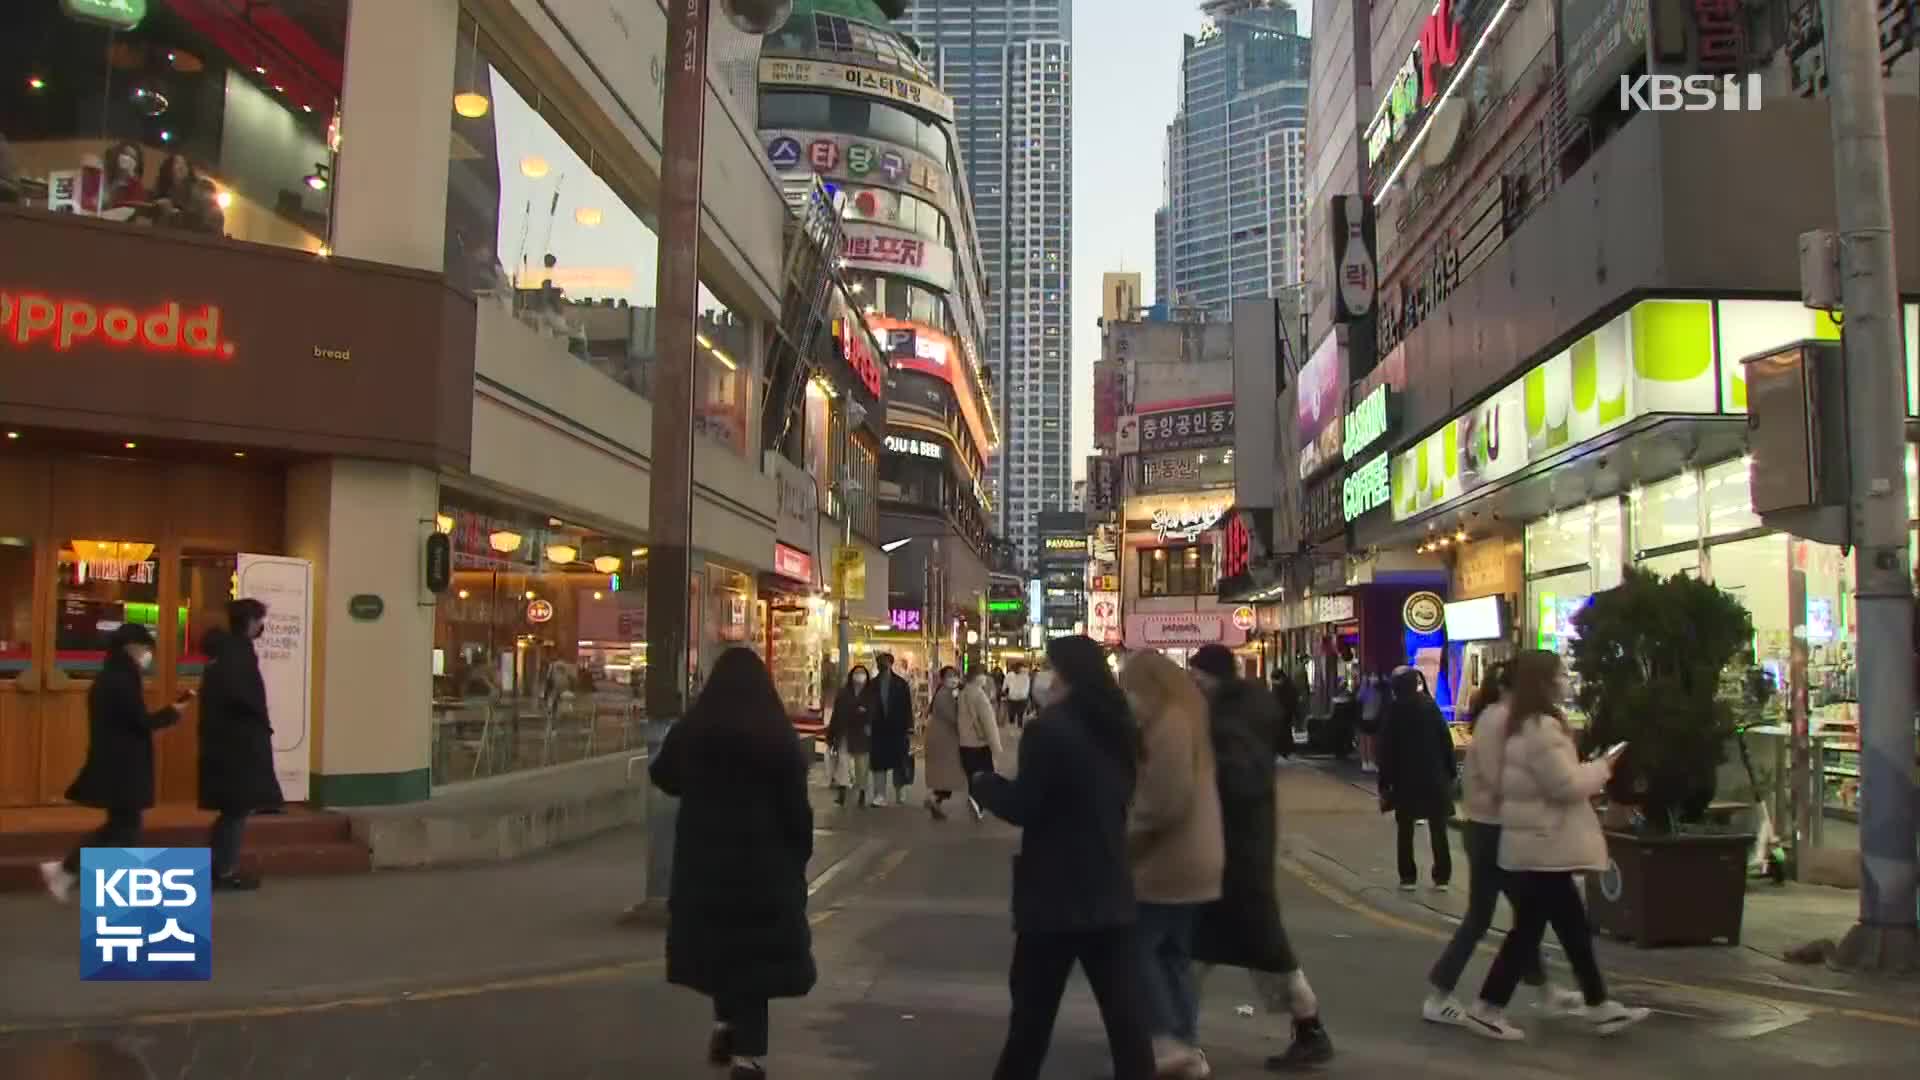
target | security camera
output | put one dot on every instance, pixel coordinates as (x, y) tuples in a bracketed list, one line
[(757, 16)]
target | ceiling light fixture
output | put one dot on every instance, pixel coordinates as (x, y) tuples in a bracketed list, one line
[(533, 166), (505, 541), (561, 553), (588, 216)]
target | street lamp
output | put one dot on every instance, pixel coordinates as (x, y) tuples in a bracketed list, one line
[(676, 329)]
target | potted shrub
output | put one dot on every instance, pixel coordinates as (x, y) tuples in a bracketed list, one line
[(1650, 656)]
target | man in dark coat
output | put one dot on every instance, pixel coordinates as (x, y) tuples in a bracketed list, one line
[(1243, 928), (236, 739), (738, 929), (118, 774), (890, 704), (1417, 774)]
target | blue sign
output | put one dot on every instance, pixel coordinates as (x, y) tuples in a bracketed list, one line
[(146, 915), (784, 152)]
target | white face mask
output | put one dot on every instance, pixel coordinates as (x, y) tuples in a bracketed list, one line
[(144, 658), (953, 684), (859, 681)]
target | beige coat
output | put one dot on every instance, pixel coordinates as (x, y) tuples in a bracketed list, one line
[(1486, 759), (1174, 833), (1546, 809), (979, 722), (942, 753)]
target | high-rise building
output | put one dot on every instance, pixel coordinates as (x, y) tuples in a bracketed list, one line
[(1236, 160), (1120, 298), (1008, 65)]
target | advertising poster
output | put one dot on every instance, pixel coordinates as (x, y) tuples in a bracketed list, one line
[(1321, 406), (286, 650)]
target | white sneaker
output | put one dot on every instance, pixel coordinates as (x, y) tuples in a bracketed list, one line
[(59, 882), (878, 800), (1443, 1009), (1409, 886), (1442, 887), (1491, 1022), (1560, 1002), (1611, 1017), (979, 814)]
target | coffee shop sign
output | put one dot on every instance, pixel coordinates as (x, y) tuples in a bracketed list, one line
[(1186, 523)]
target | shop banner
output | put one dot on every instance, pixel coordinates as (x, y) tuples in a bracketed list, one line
[(1103, 484), (799, 504), (873, 247), (1657, 357), (1185, 630), (286, 661), (1109, 400), (1321, 406), (1103, 617), (859, 161), (846, 78), (1600, 40), (1187, 426)]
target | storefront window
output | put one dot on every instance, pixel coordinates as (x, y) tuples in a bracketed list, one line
[(532, 223), (1667, 513), (729, 615), (1178, 570), (200, 118), (16, 606), (1754, 572), (206, 584), (1561, 540), (1552, 603), (102, 584), (539, 649), (1678, 562), (1729, 498), (1608, 534)]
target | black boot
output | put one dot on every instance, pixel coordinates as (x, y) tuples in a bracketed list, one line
[(1311, 1048), (720, 1046)]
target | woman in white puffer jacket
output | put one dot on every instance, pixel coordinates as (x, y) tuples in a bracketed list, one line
[(1549, 833)]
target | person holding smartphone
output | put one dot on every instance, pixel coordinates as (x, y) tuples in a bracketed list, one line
[(1548, 834), (118, 774)]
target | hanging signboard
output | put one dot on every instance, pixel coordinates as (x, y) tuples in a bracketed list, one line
[(285, 650), (1353, 263), (1186, 427), (846, 78)]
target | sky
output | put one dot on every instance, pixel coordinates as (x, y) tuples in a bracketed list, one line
[(1126, 75)]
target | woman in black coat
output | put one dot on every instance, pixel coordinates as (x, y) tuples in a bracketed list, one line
[(850, 734), (237, 775), (1243, 928), (118, 774), (1072, 883), (738, 929), (1417, 774), (890, 705)]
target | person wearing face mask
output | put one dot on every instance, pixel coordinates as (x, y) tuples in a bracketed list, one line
[(945, 772), (979, 735), (850, 736), (236, 739), (118, 774)]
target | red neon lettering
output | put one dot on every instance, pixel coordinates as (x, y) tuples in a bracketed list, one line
[(64, 323), (1439, 49), (853, 347)]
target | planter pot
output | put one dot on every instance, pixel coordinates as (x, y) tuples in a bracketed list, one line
[(1671, 890)]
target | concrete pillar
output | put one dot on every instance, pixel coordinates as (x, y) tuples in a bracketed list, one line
[(364, 525), (390, 189)]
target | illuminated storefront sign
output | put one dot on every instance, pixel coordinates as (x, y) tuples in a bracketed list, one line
[(1068, 544), (117, 14), (1369, 422), (900, 444), (859, 355), (914, 346), (1186, 523), (785, 71), (1419, 81), (906, 619), (1006, 607), (878, 248), (843, 157), (1186, 427), (1367, 488), (63, 323), (793, 563)]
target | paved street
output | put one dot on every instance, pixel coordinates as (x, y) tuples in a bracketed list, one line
[(913, 943)]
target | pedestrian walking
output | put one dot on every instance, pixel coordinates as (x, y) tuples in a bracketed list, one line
[(1549, 832), (1174, 839), (1072, 887), (890, 709), (850, 736), (946, 773), (1417, 776), (979, 736), (1487, 719), (237, 776), (1243, 928), (737, 929), (1286, 695), (1041, 686), (118, 773), (1019, 687)]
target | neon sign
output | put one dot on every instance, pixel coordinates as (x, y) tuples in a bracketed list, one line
[(1368, 423), (1418, 81), (34, 318), (1367, 488), (1186, 523), (858, 354)]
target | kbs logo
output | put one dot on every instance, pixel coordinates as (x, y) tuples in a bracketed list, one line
[(1689, 93), (33, 318), (146, 915)]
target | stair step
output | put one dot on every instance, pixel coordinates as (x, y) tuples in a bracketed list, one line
[(21, 873), (264, 829)]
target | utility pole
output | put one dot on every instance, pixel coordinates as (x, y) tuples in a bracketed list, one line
[(1884, 939)]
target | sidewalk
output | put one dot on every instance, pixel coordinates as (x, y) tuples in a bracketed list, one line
[(1349, 844), (307, 939)]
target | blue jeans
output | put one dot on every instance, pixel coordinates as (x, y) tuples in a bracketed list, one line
[(1163, 943)]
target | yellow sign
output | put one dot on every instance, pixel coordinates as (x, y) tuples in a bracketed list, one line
[(787, 71), (850, 571)]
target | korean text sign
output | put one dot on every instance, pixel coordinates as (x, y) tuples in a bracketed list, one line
[(146, 915), (1187, 428)]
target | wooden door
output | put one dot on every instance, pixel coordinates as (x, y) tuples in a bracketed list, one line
[(24, 616)]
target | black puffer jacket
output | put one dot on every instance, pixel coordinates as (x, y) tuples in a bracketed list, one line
[(236, 740), (1416, 757), (1242, 928), (738, 914)]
